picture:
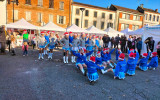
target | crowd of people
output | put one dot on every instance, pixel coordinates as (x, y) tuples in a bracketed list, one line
[(90, 53)]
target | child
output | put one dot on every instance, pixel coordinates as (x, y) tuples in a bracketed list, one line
[(82, 41), (47, 42), (90, 44), (109, 61), (80, 63), (131, 50), (154, 61), (97, 43), (65, 42), (13, 45), (120, 67), (118, 52), (92, 69), (25, 48), (33, 42), (142, 64), (130, 67), (51, 45), (41, 45), (75, 44)]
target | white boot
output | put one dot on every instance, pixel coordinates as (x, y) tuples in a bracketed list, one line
[(46, 52), (39, 56), (82, 70), (64, 59), (42, 56), (67, 59), (51, 55), (72, 59), (104, 71)]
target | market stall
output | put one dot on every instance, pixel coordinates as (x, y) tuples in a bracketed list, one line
[(94, 30), (113, 33), (75, 29)]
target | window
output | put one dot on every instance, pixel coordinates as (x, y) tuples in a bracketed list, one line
[(95, 23), (122, 26), (128, 16), (51, 3), (77, 22), (146, 16), (134, 17), (138, 18), (86, 13), (28, 2), (15, 14), (154, 18), (28, 16), (102, 25), (40, 2), (77, 11), (150, 17), (123, 16), (133, 27), (50, 18), (95, 14), (136, 27), (127, 26), (157, 18), (103, 15), (39, 17), (110, 25), (61, 19), (86, 23), (110, 16), (61, 5)]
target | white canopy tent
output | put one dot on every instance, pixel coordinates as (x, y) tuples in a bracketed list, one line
[(151, 31), (139, 32), (126, 31), (75, 29), (94, 30), (22, 24), (52, 27), (112, 33)]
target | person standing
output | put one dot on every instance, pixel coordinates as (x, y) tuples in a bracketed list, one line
[(158, 49), (123, 43), (105, 41), (25, 36), (8, 40), (117, 39), (151, 44), (139, 45), (129, 43), (112, 42), (3, 34)]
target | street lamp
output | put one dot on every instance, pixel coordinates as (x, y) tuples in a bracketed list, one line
[(82, 9), (13, 1)]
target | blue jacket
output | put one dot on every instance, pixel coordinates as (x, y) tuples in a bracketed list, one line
[(139, 45), (92, 67), (87, 41), (143, 61), (131, 65), (99, 60), (47, 38), (120, 67), (70, 39), (81, 57), (117, 54), (109, 54), (153, 62), (97, 42), (104, 56)]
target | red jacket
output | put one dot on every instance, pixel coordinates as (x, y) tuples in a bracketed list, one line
[(24, 48)]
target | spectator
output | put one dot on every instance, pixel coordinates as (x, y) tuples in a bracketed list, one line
[(117, 39), (134, 42), (123, 43), (112, 42), (33, 42), (129, 43), (13, 45), (25, 48), (158, 49), (106, 40), (3, 34), (151, 44), (139, 45), (25, 36), (8, 40)]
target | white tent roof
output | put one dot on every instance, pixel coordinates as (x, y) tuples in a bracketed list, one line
[(22, 24), (126, 31), (52, 27), (113, 33), (95, 30), (136, 32), (75, 28)]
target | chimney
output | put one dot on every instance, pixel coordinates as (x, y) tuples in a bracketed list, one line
[(156, 10), (141, 5)]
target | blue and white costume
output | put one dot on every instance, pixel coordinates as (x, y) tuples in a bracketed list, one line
[(153, 63), (90, 45), (65, 43)]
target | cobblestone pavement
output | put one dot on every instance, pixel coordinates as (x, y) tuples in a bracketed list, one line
[(26, 78)]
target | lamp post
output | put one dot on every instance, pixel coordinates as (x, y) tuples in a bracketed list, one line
[(82, 9), (13, 1)]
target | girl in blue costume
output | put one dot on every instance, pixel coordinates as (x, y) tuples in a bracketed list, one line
[(109, 61), (70, 40), (51, 45), (142, 64), (97, 43), (130, 67), (47, 42), (41, 45), (154, 61), (120, 67), (118, 52), (92, 69), (80, 57)]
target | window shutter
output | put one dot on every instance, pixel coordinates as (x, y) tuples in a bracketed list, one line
[(64, 19), (57, 19)]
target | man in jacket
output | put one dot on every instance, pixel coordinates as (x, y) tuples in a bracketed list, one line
[(3, 34)]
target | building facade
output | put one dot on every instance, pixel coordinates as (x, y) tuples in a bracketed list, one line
[(101, 18), (151, 17), (127, 18), (40, 12), (3, 16)]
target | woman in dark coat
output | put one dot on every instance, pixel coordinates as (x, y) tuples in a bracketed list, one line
[(2, 39)]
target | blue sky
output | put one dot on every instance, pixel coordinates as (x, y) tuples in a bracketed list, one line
[(133, 4)]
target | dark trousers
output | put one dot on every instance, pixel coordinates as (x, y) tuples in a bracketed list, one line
[(112, 44), (116, 45), (139, 51), (105, 45), (9, 45), (123, 48), (34, 46), (3, 44), (25, 52), (158, 52)]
